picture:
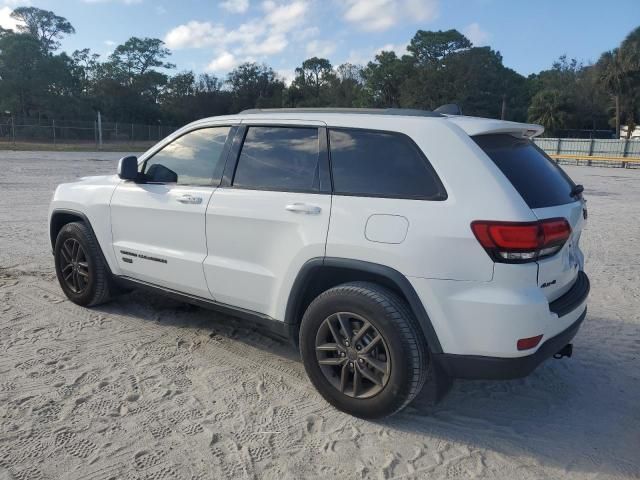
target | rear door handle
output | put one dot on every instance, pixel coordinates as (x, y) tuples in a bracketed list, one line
[(303, 208), (190, 199)]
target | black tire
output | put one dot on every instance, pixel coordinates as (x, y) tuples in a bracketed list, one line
[(93, 284), (401, 338)]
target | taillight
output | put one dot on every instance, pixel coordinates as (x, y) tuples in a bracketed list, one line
[(520, 242)]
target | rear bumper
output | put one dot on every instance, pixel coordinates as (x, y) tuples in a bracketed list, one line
[(571, 300), (497, 368)]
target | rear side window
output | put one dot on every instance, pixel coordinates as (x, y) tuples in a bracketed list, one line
[(381, 164), (539, 181), (279, 158)]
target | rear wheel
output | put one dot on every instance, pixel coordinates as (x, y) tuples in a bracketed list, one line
[(363, 350), (80, 268)]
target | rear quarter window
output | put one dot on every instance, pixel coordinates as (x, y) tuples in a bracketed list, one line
[(381, 164), (538, 179)]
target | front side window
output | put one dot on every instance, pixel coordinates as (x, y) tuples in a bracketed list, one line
[(278, 158), (381, 164), (191, 159)]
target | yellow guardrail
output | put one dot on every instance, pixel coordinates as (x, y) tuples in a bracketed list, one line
[(592, 158)]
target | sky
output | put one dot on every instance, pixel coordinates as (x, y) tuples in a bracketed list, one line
[(215, 36)]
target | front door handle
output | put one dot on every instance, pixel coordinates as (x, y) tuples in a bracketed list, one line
[(304, 208), (190, 199)]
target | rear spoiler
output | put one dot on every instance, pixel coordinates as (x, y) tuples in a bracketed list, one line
[(485, 126)]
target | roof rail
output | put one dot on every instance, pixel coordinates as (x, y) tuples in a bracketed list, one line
[(368, 111)]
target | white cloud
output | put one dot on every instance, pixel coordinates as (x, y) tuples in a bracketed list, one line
[(378, 15), (222, 63), (15, 3), (476, 34), (285, 17), (287, 74), (5, 18), (320, 48), (194, 35), (421, 10), (109, 43), (370, 14), (306, 33), (126, 2), (235, 6), (399, 49), (246, 33), (257, 38), (274, 43), (364, 56), (160, 10)]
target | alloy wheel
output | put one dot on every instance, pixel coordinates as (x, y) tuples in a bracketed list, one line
[(353, 355), (74, 266)]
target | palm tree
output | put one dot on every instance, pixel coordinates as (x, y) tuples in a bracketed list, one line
[(613, 73), (549, 108)]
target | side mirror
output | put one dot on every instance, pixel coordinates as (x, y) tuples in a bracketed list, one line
[(128, 168)]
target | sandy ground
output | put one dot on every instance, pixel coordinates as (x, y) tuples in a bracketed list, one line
[(145, 387)]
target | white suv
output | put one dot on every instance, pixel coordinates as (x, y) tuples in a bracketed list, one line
[(393, 246)]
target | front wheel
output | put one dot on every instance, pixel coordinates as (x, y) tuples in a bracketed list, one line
[(363, 350), (80, 268)]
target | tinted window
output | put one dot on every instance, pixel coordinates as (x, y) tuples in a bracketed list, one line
[(381, 164), (190, 159), (539, 181), (278, 158)]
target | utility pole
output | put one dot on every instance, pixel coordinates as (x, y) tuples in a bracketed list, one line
[(99, 130), (53, 127), (13, 130), (617, 98), (504, 106)]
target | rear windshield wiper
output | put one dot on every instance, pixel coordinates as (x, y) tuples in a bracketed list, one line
[(576, 190)]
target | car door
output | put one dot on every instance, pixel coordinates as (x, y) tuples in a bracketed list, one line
[(158, 223), (270, 214)]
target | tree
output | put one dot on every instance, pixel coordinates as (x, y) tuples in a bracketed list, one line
[(23, 73), (384, 79), (347, 86), (429, 47), (314, 73), (44, 25), (208, 84), (84, 68), (137, 56), (254, 85), (613, 73), (630, 53), (549, 108), (5, 31)]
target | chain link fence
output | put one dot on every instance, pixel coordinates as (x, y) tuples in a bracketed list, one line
[(27, 132), (24, 131)]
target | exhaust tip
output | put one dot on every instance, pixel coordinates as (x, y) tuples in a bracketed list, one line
[(565, 351)]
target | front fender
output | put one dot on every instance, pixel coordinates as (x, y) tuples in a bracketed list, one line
[(89, 200)]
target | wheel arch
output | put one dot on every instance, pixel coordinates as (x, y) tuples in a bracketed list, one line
[(61, 217), (319, 274)]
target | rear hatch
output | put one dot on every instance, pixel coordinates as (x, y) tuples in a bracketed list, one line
[(550, 193)]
